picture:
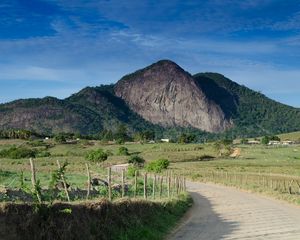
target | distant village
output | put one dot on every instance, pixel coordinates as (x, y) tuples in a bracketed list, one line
[(273, 142)]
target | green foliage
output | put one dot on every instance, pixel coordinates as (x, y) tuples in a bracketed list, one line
[(120, 141), (43, 154), (37, 143), (274, 138), (186, 138), (123, 151), (265, 140), (96, 155), (244, 141), (17, 134), (18, 152), (66, 211), (223, 147), (136, 160), (131, 170), (121, 134), (56, 178), (144, 135), (60, 138), (157, 165)]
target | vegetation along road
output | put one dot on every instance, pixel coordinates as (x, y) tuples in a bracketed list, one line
[(221, 212)]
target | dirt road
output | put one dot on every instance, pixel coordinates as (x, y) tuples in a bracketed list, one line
[(227, 213)]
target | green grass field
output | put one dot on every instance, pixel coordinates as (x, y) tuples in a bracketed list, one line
[(186, 159)]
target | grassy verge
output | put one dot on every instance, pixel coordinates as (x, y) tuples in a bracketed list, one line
[(282, 187), (123, 219)]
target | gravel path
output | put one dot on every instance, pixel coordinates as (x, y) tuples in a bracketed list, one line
[(221, 212)]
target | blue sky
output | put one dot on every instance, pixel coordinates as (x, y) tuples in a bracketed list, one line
[(57, 47)]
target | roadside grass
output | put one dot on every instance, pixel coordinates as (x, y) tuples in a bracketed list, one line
[(121, 220)]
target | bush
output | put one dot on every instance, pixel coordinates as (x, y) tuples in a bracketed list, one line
[(158, 165), (136, 160), (131, 171), (60, 138), (123, 151), (265, 140), (43, 154), (96, 155), (17, 153), (37, 143)]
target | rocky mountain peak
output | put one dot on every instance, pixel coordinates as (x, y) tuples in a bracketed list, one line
[(165, 94)]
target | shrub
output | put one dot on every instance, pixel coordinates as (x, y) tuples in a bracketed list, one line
[(205, 157), (96, 155), (136, 160), (37, 143), (17, 153), (123, 151), (131, 171), (60, 138), (43, 154), (120, 141), (265, 140), (158, 165)]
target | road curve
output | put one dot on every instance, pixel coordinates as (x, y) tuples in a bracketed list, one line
[(221, 212)]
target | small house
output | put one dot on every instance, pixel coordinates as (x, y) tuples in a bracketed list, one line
[(253, 142)]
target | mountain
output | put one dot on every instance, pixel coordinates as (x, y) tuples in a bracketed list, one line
[(87, 112), (161, 97), (165, 94), (252, 113)]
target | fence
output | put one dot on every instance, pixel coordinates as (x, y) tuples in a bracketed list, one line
[(277, 183), (109, 184)]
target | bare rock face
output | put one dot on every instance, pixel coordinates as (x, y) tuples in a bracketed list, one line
[(165, 94)]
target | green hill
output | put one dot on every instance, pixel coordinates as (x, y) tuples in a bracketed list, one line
[(253, 113)]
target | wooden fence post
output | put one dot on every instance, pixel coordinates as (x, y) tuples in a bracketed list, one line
[(123, 184), (109, 183), (89, 181), (298, 186), (135, 183), (160, 186), (145, 186), (177, 186), (33, 179), (64, 181), (153, 186), (169, 186)]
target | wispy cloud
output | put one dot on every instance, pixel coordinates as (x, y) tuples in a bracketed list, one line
[(291, 23), (78, 43)]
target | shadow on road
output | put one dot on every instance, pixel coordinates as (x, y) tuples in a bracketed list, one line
[(203, 223)]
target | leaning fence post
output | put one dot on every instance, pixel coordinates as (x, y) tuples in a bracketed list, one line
[(145, 186), (89, 180), (33, 179), (109, 183), (64, 181)]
